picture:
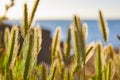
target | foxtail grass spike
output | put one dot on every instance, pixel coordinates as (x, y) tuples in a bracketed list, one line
[(25, 27), (52, 71), (55, 43), (59, 55), (117, 62), (76, 46), (12, 51), (99, 64), (85, 30), (32, 43), (103, 27), (67, 46), (27, 55), (76, 42), (89, 51), (13, 46), (108, 53), (37, 43), (109, 71), (38, 39), (111, 52), (81, 40), (33, 12), (6, 37), (43, 72)]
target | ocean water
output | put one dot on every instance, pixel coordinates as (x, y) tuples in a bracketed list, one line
[(94, 33)]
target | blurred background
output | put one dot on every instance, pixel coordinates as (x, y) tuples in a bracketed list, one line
[(53, 13)]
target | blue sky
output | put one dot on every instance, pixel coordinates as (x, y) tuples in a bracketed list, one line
[(65, 9)]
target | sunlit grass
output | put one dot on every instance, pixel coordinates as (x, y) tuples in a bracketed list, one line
[(22, 65)]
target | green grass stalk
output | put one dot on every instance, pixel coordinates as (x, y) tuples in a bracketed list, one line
[(52, 72), (43, 72), (6, 37), (98, 62), (55, 43), (28, 54), (67, 45), (25, 25), (103, 27), (33, 12)]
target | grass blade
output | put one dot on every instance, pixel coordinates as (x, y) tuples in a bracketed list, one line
[(43, 72), (79, 31), (13, 46), (55, 43), (67, 45), (85, 30), (33, 12), (33, 45), (28, 54), (25, 27), (89, 51), (103, 27), (12, 51), (6, 37), (52, 72), (98, 62)]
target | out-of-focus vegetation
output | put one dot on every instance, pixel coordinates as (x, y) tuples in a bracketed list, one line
[(89, 61), (7, 8)]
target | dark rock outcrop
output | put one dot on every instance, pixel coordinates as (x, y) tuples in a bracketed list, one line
[(44, 54)]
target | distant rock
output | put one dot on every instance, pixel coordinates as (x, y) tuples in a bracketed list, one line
[(44, 54)]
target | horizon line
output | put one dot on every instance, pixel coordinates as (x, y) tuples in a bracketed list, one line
[(65, 19)]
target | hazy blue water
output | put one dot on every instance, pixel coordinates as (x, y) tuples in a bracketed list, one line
[(94, 33)]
